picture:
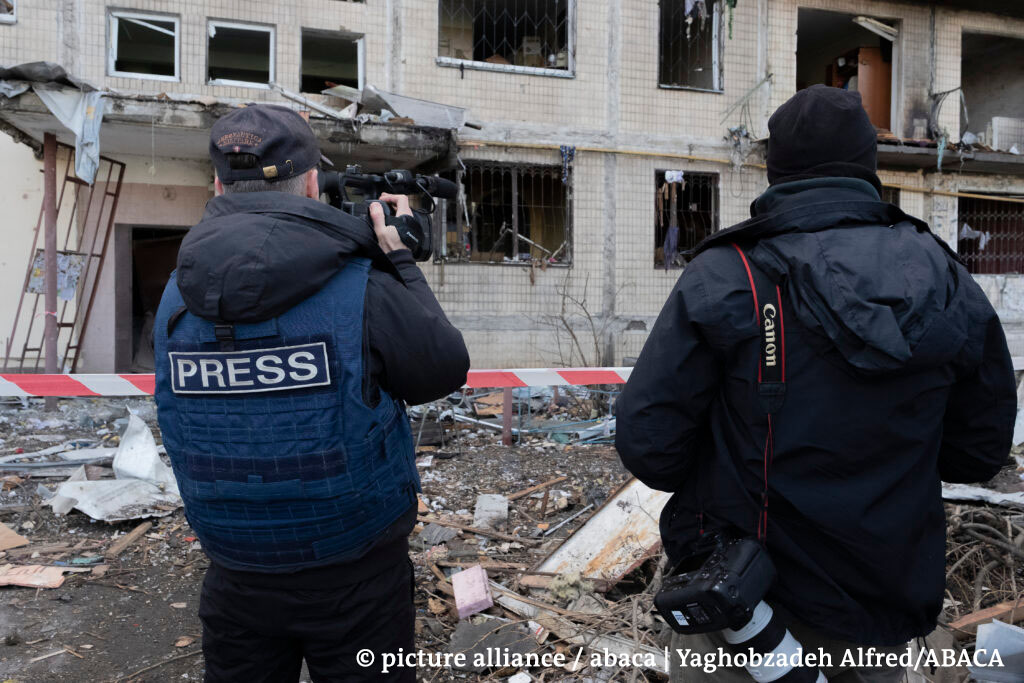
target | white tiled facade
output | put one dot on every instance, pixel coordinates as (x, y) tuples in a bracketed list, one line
[(624, 126)]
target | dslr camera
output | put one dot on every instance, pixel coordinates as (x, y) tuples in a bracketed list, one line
[(415, 231), (721, 589)]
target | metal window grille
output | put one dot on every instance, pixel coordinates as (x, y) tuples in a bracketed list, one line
[(689, 44), (507, 213), (891, 195), (525, 33), (686, 211), (990, 236)]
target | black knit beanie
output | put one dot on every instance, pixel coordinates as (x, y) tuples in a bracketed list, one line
[(821, 131)]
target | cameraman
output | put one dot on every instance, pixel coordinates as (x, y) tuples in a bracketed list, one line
[(287, 341), (896, 375)]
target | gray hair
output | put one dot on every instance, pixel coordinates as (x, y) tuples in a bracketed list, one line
[(294, 185)]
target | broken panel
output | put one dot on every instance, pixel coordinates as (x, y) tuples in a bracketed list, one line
[(511, 33), (509, 213), (240, 54), (143, 45), (848, 51), (990, 235), (993, 88), (689, 44), (685, 212), (330, 58)]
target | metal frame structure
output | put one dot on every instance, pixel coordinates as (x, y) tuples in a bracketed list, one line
[(86, 228)]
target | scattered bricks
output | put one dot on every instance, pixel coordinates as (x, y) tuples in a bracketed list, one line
[(472, 592)]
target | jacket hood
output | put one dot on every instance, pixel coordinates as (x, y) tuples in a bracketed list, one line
[(862, 275), (255, 255)]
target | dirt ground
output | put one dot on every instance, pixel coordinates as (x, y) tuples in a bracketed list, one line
[(137, 621)]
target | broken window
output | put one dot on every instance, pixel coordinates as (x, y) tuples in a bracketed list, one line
[(7, 13), (143, 45), (993, 89), (506, 34), (508, 213), (990, 236), (891, 195), (686, 211), (689, 44), (240, 54), (330, 58), (852, 52)]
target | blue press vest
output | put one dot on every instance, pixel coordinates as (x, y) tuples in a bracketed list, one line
[(280, 463)]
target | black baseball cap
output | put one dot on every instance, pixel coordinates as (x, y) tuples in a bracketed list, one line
[(279, 137)]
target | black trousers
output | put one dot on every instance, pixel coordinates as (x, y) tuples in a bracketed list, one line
[(254, 634)]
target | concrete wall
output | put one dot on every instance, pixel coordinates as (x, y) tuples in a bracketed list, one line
[(511, 314)]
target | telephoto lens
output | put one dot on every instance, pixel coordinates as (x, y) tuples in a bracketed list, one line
[(770, 651), (723, 592)]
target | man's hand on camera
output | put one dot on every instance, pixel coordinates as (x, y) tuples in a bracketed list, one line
[(387, 235)]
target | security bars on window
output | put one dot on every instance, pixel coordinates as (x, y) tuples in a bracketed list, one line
[(689, 44), (506, 34), (990, 236), (685, 212), (507, 213)]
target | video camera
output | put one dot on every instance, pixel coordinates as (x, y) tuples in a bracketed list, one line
[(414, 231)]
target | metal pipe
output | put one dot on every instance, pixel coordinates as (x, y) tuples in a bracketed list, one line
[(567, 520), (50, 256), (506, 417)]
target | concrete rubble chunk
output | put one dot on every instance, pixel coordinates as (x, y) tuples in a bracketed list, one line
[(472, 593), (491, 511), (477, 640)]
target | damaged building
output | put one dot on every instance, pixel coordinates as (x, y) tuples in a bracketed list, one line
[(605, 139)]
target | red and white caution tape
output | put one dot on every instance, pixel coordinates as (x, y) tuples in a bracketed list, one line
[(144, 385)]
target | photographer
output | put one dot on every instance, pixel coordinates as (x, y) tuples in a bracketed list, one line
[(814, 374), (286, 343)]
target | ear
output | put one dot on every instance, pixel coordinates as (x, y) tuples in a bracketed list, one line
[(218, 187), (312, 184)]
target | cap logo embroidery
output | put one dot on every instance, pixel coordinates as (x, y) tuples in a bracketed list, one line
[(238, 139)]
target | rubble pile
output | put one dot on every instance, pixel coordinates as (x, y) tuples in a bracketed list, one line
[(537, 562)]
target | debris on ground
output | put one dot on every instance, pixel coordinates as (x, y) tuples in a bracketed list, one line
[(561, 544)]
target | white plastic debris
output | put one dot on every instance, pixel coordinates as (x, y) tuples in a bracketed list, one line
[(1008, 641), (143, 486)]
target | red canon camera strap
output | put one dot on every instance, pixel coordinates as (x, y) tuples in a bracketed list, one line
[(771, 367)]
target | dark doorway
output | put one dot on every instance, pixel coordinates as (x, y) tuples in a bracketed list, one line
[(146, 258)]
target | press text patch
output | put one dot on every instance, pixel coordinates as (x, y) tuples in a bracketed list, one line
[(248, 372)]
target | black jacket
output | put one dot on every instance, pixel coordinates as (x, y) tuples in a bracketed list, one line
[(897, 374), (255, 255)]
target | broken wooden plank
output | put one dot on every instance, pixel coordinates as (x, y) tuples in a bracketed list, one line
[(967, 625), (482, 532), (556, 621), (9, 538), (533, 489), (121, 544)]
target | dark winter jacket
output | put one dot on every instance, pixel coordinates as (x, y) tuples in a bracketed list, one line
[(255, 255), (898, 376)]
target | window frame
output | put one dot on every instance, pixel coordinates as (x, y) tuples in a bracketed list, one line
[(440, 221), (270, 29), (11, 18), (716, 211), (568, 72), (358, 39), (717, 54), (113, 18)]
